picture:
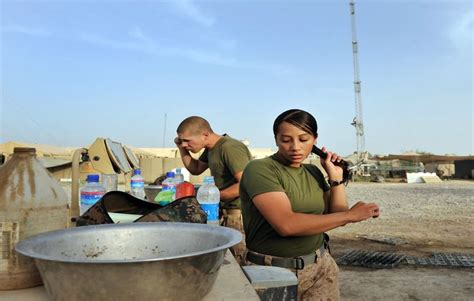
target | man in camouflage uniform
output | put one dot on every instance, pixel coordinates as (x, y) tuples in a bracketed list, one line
[(226, 158)]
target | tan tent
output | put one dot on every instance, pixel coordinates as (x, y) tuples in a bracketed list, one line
[(42, 150)]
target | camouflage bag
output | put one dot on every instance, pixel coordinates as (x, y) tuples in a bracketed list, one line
[(186, 209)]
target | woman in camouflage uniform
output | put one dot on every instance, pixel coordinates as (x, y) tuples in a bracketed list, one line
[(287, 206)]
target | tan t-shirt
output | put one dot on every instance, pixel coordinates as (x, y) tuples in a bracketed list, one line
[(306, 196), (226, 158)]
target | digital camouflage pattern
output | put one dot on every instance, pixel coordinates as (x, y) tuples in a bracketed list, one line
[(232, 218), (96, 215), (186, 210), (320, 280), (183, 210)]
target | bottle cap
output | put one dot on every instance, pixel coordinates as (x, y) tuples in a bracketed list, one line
[(170, 174), (208, 180), (92, 178), (178, 170), (137, 171)]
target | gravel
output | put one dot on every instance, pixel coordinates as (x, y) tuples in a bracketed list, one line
[(433, 214)]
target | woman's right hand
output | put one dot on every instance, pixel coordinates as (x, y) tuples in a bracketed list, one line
[(362, 211)]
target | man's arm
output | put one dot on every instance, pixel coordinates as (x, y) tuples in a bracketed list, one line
[(236, 157), (232, 191)]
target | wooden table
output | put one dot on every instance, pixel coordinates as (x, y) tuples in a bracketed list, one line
[(231, 285)]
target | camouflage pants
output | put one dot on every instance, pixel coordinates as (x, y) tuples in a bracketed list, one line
[(232, 218), (320, 280)]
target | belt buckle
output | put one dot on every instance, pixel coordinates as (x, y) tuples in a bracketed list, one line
[(299, 263)]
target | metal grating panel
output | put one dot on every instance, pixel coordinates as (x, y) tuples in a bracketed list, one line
[(444, 259), (369, 259)]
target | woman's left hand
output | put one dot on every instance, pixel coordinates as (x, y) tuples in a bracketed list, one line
[(335, 172)]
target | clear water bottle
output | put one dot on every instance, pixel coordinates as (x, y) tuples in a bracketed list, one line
[(208, 197), (168, 190), (91, 193), (137, 185), (178, 177)]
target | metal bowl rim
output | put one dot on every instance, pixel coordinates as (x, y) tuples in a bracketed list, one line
[(25, 246)]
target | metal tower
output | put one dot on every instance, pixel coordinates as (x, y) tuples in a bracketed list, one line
[(357, 122)]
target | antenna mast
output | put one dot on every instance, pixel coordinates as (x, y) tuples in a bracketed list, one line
[(164, 131), (357, 122)]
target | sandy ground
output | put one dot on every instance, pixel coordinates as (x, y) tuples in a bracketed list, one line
[(417, 220)]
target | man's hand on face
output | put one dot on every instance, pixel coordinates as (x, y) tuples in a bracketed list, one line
[(179, 143)]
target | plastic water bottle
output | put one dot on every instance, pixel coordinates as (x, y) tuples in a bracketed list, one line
[(168, 190), (91, 193), (137, 184), (208, 197), (178, 177)]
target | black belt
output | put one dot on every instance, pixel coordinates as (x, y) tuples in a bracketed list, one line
[(298, 262)]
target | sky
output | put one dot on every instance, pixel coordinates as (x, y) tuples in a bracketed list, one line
[(72, 71)]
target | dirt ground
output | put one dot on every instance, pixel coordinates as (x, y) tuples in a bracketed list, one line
[(416, 220)]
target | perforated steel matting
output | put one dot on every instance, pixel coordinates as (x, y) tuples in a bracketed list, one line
[(380, 260), (444, 259)]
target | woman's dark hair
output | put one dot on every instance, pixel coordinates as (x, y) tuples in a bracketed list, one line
[(299, 118)]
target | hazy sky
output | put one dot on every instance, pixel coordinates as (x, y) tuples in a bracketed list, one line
[(72, 71)]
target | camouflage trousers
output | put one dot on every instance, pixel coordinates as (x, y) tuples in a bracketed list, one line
[(320, 280), (232, 218)]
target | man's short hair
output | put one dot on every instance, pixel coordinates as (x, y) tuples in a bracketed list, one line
[(195, 125)]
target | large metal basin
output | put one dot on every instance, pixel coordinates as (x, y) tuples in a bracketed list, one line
[(138, 261)]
